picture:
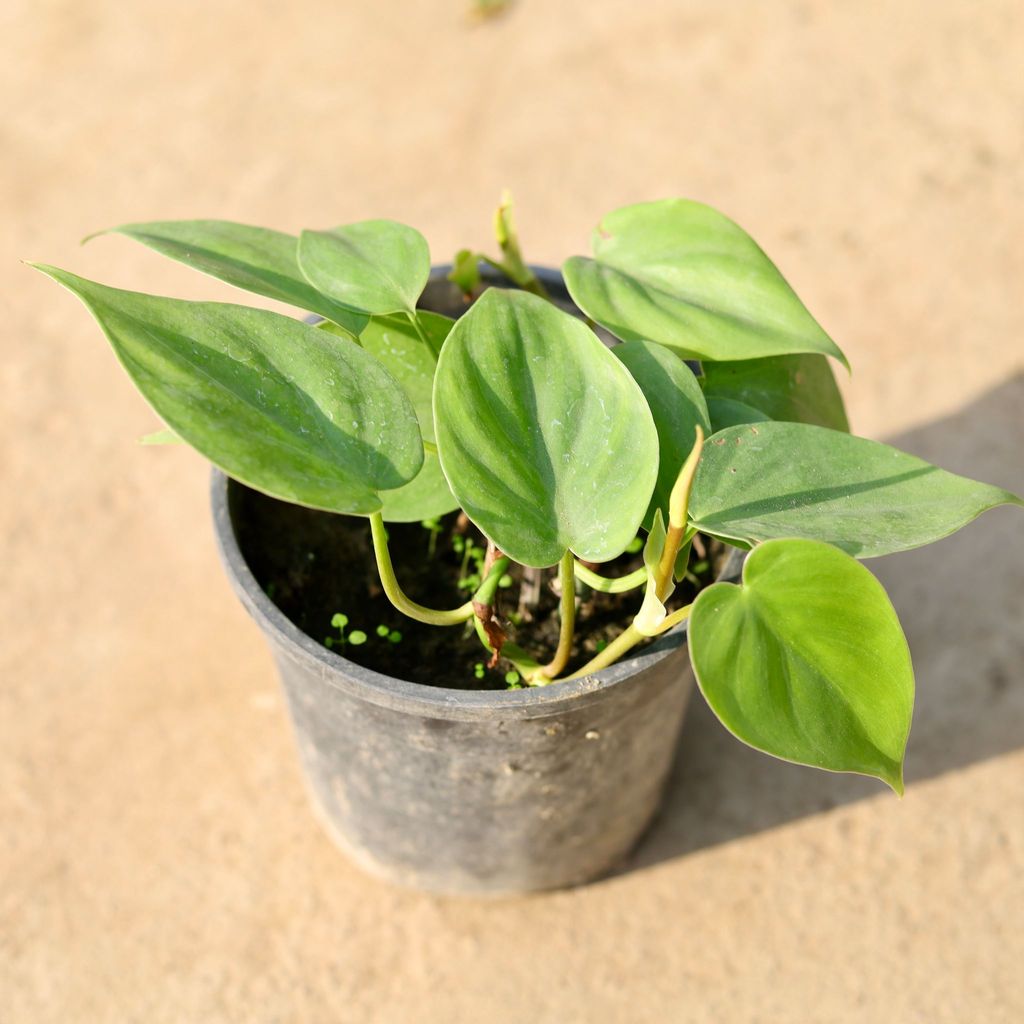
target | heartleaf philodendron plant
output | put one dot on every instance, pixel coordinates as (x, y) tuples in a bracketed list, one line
[(560, 448)]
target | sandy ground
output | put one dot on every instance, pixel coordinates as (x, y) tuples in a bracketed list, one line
[(158, 861)]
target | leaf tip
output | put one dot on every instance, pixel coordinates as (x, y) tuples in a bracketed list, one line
[(96, 234), (894, 780), (43, 268), (840, 356)]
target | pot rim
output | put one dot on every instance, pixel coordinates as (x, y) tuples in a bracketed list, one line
[(402, 694)]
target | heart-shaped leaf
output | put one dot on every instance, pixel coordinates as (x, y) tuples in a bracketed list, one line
[(256, 259), (376, 266), (806, 660), (768, 480), (681, 274), (797, 389), (545, 438), (277, 404), (677, 405)]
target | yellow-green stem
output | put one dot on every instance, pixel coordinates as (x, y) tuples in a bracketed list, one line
[(667, 563), (567, 608), (394, 592), (678, 508), (608, 585), (524, 664), (625, 642)]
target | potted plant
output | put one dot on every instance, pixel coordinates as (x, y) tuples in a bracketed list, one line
[(705, 414)]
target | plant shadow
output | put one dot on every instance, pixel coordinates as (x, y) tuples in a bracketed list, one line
[(961, 602)]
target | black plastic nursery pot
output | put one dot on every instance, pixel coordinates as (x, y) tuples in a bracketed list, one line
[(472, 791)]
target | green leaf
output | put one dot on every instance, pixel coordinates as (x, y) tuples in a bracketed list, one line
[(677, 405), (425, 496), (652, 611), (768, 480), (376, 266), (797, 389), (465, 272), (277, 404), (683, 275), (410, 357), (725, 412), (544, 436), (807, 660), (259, 260), (412, 360)]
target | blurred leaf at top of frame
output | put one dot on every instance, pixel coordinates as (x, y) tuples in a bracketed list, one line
[(485, 10)]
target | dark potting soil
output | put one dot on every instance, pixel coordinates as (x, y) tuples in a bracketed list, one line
[(314, 565)]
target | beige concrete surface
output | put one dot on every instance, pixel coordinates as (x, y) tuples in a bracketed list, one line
[(158, 861)]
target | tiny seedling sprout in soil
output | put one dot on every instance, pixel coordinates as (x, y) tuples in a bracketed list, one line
[(709, 414)]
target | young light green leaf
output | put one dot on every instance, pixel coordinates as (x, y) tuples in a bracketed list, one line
[(768, 480), (683, 275), (275, 403), (465, 272), (534, 417), (257, 259), (807, 660), (725, 412), (375, 266), (652, 612), (797, 389), (677, 405)]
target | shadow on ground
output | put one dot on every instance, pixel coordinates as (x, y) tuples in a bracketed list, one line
[(961, 602)]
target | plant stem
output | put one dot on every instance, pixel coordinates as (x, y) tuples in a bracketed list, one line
[(626, 641), (608, 585), (525, 665), (487, 589), (513, 265), (667, 564), (678, 507), (415, 321), (522, 276), (567, 609), (394, 592)]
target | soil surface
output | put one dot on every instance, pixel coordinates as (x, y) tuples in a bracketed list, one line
[(313, 565)]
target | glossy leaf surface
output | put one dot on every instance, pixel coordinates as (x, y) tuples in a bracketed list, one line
[(256, 259), (545, 438), (796, 389), (376, 266), (807, 661), (281, 406), (681, 274), (677, 405), (770, 480)]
